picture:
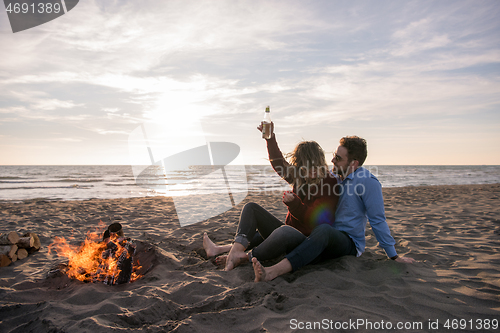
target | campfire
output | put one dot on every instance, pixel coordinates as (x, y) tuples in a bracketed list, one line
[(108, 257)]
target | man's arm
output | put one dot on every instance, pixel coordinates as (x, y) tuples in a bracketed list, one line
[(374, 202)]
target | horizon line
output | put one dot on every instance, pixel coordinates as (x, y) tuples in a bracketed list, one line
[(244, 165)]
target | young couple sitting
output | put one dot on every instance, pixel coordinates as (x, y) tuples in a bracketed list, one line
[(327, 212)]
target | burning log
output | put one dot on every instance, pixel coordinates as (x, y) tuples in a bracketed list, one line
[(114, 230), (9, 239), (110, 261), (125, 264)]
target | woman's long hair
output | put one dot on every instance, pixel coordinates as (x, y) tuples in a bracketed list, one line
[(307, 156)]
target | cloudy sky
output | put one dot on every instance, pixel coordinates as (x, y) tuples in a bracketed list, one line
[(420, 80)]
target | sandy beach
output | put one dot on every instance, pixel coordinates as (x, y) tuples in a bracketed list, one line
[(453, 232)]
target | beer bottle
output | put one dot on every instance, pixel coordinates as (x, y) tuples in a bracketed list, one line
[(266, 124)]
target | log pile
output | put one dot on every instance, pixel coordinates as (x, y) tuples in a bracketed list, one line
[(14, 247)]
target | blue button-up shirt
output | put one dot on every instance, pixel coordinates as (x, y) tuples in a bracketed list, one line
[(361, 200)]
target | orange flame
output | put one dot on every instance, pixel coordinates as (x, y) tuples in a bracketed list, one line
[(98, 261)]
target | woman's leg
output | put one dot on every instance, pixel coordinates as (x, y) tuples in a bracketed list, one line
[(254, 220), (213, 249), (281, 241), (252, 217)]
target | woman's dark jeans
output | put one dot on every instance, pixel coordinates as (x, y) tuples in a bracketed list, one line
[(265, 234), (255, 225)]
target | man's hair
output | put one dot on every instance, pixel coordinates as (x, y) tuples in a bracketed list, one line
[(356, 148)]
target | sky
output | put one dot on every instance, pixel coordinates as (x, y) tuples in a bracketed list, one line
[(419, 80)]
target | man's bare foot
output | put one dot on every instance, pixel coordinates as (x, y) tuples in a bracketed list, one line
[(211, 248), (259, 270), (270, 273), (236, 257)]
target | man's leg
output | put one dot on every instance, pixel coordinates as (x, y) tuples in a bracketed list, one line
[(324, 241), (269, 273)]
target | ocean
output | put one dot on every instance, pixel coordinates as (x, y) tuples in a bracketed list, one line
[(81, 182)]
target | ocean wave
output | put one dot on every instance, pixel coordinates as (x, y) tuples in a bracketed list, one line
[(76, 186), (79, 180), (65, 180), (77, 176), (22, 182)]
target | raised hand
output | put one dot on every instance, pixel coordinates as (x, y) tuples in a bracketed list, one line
[(261, 126), (288, 197)]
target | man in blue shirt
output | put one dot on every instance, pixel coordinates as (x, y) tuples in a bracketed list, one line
[(360, 201)]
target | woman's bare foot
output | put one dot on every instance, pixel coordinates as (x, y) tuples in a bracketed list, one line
[(236, 256), (220, 261), (212, 249)]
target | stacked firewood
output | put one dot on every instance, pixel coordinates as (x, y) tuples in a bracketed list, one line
[(14, 247)]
